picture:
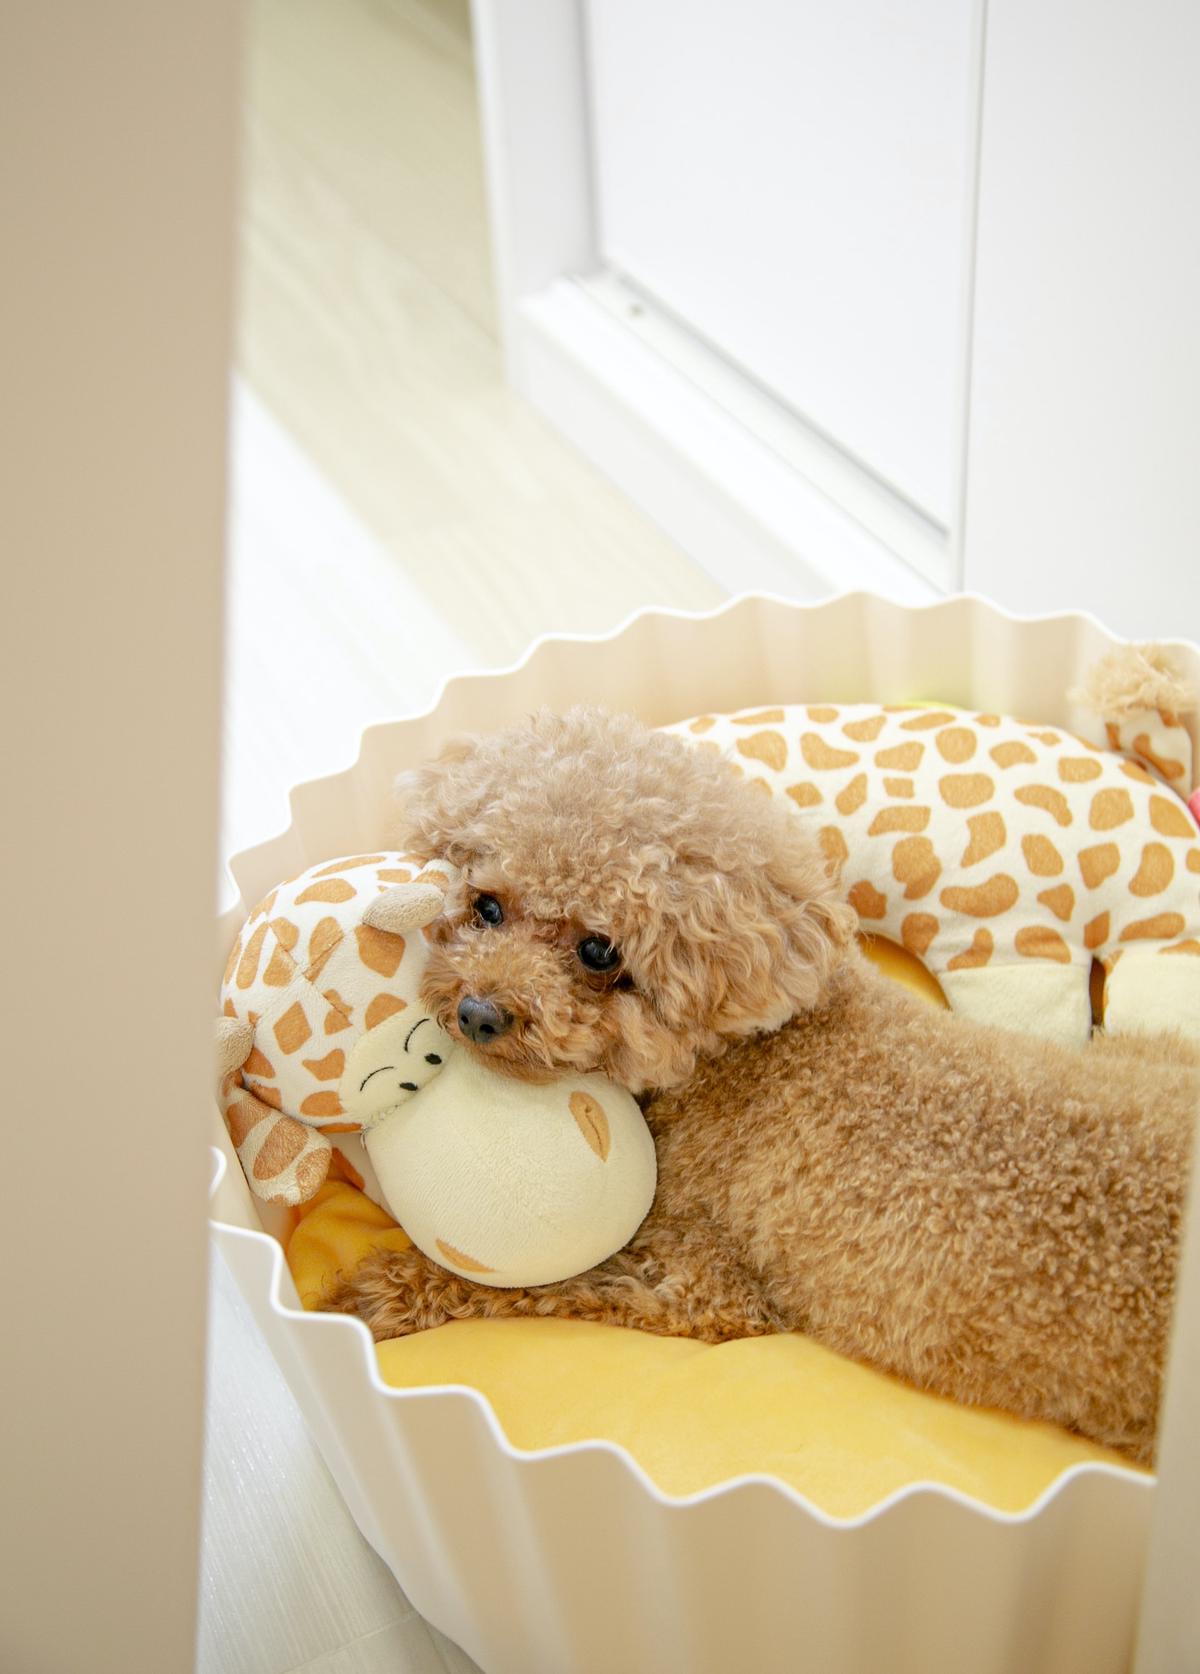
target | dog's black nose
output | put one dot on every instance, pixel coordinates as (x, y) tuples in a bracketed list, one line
[(483, 1021)]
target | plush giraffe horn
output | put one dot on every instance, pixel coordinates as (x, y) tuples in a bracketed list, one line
[(408, 906), (233, 1041)]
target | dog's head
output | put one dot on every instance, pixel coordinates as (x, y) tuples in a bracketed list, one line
[(628, 902)]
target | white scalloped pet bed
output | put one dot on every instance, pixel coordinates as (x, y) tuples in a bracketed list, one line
[(551, 1523)]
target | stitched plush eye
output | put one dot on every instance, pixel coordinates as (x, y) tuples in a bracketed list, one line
[(489, 909), (598, 953)]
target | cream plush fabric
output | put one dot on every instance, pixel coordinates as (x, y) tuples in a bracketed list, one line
[(1004, 855), (508, 1183)]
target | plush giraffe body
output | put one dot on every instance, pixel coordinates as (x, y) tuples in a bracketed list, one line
[(323, 1031), (1006, 856)]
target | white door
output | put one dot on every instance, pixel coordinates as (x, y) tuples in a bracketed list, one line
[(878, 294)]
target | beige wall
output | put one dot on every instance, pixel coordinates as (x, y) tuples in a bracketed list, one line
[(117, 127)]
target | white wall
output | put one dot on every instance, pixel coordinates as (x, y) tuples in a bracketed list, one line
[(1083, 485)]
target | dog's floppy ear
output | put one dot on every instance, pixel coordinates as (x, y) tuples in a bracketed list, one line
[(758, 940), (432, 800)]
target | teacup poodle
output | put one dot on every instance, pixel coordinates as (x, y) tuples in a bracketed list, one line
[(986, 1215)]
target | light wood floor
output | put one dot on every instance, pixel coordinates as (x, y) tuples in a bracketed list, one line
[(368, 331), (396, 516)]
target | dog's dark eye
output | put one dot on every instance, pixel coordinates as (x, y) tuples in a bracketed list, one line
[(489, 909), (598, 953)]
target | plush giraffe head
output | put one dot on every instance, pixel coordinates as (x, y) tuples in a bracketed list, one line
[(323, 1029)]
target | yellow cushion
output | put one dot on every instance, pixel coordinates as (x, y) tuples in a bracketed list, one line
[(693, 1415)]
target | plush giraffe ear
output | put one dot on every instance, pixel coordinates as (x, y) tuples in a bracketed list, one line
[(408, 906), (233, 1042)]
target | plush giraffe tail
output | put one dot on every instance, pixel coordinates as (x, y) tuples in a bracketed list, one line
[(1141, 700)]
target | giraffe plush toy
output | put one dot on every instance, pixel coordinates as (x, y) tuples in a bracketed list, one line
[(323, 1031), (1006, 856)]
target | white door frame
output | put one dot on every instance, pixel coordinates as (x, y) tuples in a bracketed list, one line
[(757, 497)]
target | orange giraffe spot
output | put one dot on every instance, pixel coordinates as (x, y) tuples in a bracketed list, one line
[(1060, 900), (228, 1009), (1098, 863), (248, 967), (833, 847), (1135, 770), (910, 817), (382, 1007), (1010, 753), (456, 1258), (867, 901), (1193, 860), (1155, 870), (1041, 857), (805, 794), (1170, 818), (923, 723), (336, 1020), (1045, 737), (280, 969), (232, 962), (592, 1122), (987, 720), (852, 796), (258, 1064), (1182, 947), (988, 834), (292, 1029), (243, 1115), (957, 744), (282, 1145), (1095, 932), (702, 723), (865, 731), (1161, 764), (379, 950), (350, 865), (761, 786), (310, 1172), (966, 790), (978, 954), (286, 933), (767, 747), (758, 717), (985, 900), (821, 756), (1038, 941), (328, 1068), (915, 864), (322, 1104), (331, 890), (1110, 808), (1045, 797), (1077, 770), (269, 1095), (906, 757), (917, 932), (1162, 927), (395, 874), (264, 906), (820, 712), (326, 935), (897, 787)]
